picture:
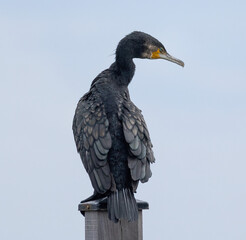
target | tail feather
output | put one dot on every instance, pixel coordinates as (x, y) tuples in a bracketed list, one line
[(122, 205), (133, 205)]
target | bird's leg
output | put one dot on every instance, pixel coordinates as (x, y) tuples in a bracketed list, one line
[(95, 196)]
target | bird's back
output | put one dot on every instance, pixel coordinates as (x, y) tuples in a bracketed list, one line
[(112, 97)]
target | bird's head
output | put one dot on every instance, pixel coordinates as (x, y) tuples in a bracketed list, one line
[(142, 45)]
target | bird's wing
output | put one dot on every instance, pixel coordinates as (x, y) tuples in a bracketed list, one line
[(140, 146), (93, 141)]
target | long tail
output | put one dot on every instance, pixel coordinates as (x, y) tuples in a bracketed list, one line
[(122, 205)]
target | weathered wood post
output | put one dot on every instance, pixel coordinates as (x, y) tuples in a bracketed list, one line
[(99, 227)]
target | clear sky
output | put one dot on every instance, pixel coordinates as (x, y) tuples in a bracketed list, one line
[(50, 51)]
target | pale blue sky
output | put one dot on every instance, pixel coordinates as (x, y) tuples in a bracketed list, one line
[(50, 51)]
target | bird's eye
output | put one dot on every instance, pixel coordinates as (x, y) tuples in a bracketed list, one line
[(161, 50)]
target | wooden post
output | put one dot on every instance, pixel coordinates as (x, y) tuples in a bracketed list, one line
[(99, 227)]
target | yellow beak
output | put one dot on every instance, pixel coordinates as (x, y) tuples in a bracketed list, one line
[(166, 56)]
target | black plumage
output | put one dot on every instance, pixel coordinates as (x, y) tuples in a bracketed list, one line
[(110, 132)]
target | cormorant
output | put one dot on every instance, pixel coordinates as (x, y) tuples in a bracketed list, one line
[(110, 132)]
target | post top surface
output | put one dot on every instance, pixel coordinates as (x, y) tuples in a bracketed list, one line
[(101, 205)]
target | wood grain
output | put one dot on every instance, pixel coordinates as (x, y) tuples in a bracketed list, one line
[(99, 227)]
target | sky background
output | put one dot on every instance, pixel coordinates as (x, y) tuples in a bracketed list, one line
[(50, 51)]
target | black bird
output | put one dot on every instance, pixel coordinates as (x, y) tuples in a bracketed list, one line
[(110, 132)]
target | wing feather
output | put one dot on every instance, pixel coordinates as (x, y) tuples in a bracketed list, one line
[(140, 146), (93, 140)]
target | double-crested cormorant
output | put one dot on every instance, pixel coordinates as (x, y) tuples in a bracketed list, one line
[(110, 132)]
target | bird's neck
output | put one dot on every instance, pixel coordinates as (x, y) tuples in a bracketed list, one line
[(124, 69)]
